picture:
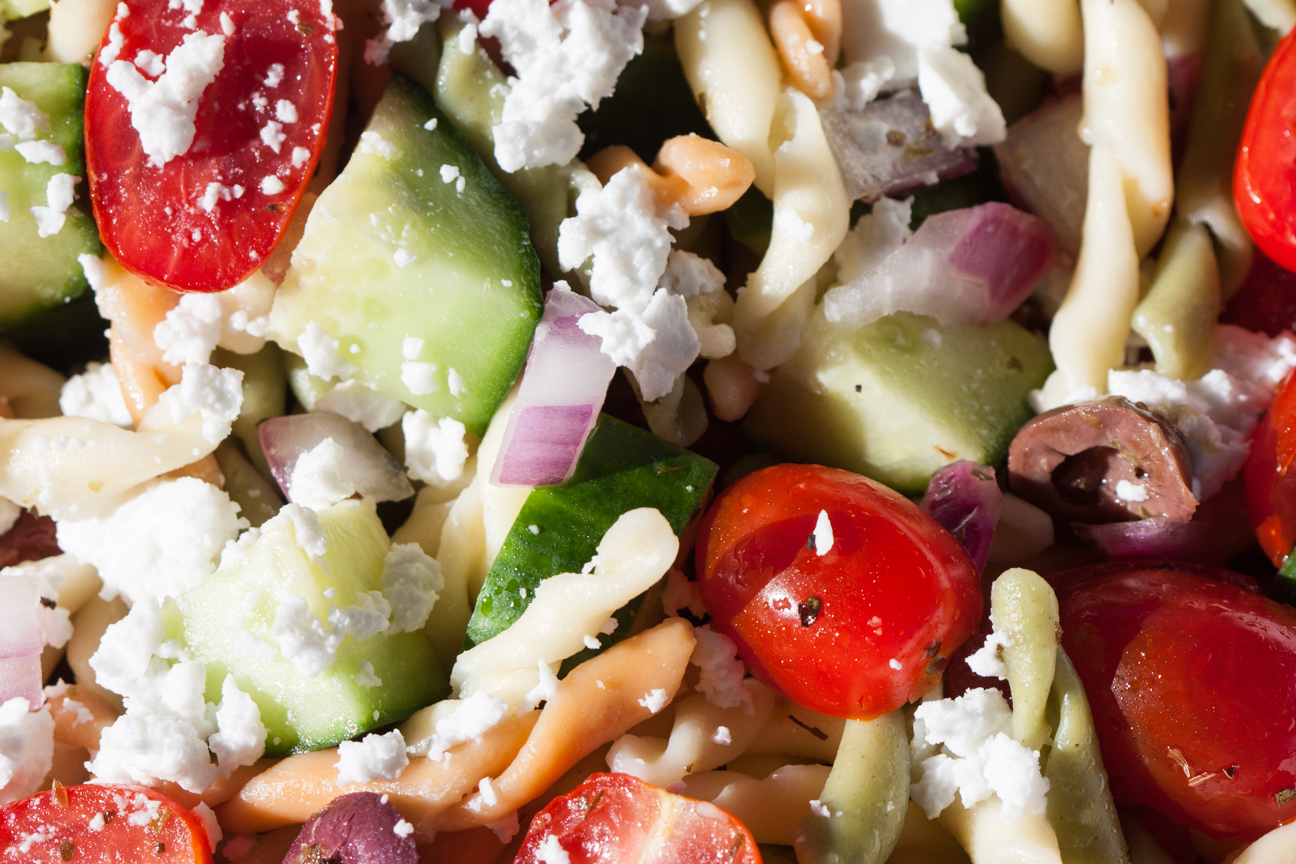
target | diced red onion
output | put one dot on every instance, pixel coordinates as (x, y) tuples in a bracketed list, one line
[(370, 469), (965, 499), (1154, 537), (888, 147), (969, 266), (22, 638), (564, 385), (1045, 167)]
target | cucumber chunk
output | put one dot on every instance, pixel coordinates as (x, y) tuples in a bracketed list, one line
[(228, 622), (47, 273), (418, 263), (899, 398), (559, 527)]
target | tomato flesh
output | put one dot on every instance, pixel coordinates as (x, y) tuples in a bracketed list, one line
[(1270, 478), (619, 819), (1266, 302), (95, 824), (1188, 672), (1264, 176), (205, 219), (854, 632)]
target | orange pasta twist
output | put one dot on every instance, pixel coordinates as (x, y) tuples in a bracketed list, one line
[(807, 34), (697, 174)]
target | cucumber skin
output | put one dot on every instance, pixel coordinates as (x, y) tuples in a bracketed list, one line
[(483, 331), (918, 406), (47, 273), (310, 713), (622, 467)]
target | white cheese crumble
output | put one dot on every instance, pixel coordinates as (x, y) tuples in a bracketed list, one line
[(320, 477), (191, 329), (285, 112), (551, 851), (272, 136), (60, 192), (819, 808), (419, 377), (654, 700), (271, 185), (26, 748), (411, 583), (320, 351), (20, 118), (163, 111), (362, 404), (402, 828), (274, 75), (41, 153), (566, 56), (979, 757), (435, 450), (471, 718), (1135, 492), (821, 537), (375, 757), (96, 394), (365, 677), (402, 20), (543, 691), (722, 736), (722, 672), (411, 347), (240, 736), (214, 393), (159, 543)]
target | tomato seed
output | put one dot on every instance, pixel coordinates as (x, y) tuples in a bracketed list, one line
[(810, 607), (67, 850)]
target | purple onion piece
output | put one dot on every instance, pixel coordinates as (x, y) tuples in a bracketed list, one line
[(564, 385), (965, 499), (358, 828), (889, 147), (1153, 537), (22, 638), (371, 470)]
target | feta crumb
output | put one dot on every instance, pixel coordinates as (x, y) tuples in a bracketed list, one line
[(430, 125), (321, 477), (411, 347), (402, 828), (26, 748), (163, 111), (506, 829), (240, 736), (543, 691), (320, 351), (722, 736), (20, 118), (654, 700), (592, 643), (449, 173), (191, 329), (362, 404), (272, 136), (1127, 491), (403, 257), (411, 583), (987, 661), (60, 192), (722, 672), (285, 112), (821, 538), (476, 714), (375, 757), (487, 792), (435, 450), (96, 394), (365, 677), (819, 808), (372, 142), (419, 377), (271, 185), (41, 152), (215, 394), (551, 851), (402, 20)]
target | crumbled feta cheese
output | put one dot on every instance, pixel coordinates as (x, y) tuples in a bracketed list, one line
[(1127, 491), (365, 677), (543, 691), (159, 543), (449, 173), (208, 816), (506, 829), (979, 758), (60, 192), (475, 715), (987, 661), (372, 142), (163, 111), (26, 748), (657, 344), (722, 736), (300, 156), (402, 20), (41, 152), (435, 450), (591, 642), (654, 700), (955, 92), (214, 393), (821, 538), (150, 63), (285, 112), (375, 757), (487, 792), (96, 394), (146, 748), (681, 593), (819, 808), (320, 477), (191, 329), (455, 382), (402, 828), (722, 672), (271, 185), (274, 75), (20, 118), (320, 351), (411, 347), (240, 736), (272, 136), (790, 222), (9, 513), (362, 404), (411, 583), (566, 56), (419, 377), (403, 257), (551, 851)]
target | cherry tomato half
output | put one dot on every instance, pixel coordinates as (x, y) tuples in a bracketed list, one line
[(855, 629), (1189, 673), (95, 824), (1270, 476), (616, 818), (1264, 176), (194, 177)]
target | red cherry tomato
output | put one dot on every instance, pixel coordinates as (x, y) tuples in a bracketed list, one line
[(616, 818), (1266, 302), (102, 825), (1264, 176), (1270, 476), (1189, 675), (204, 219), (855, 631)]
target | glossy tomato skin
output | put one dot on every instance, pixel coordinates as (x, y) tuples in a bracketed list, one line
[(1270, 476), (614, 818), (1264, 176), (1189, 673), (207, 218), (855, 632), (95, 824)]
